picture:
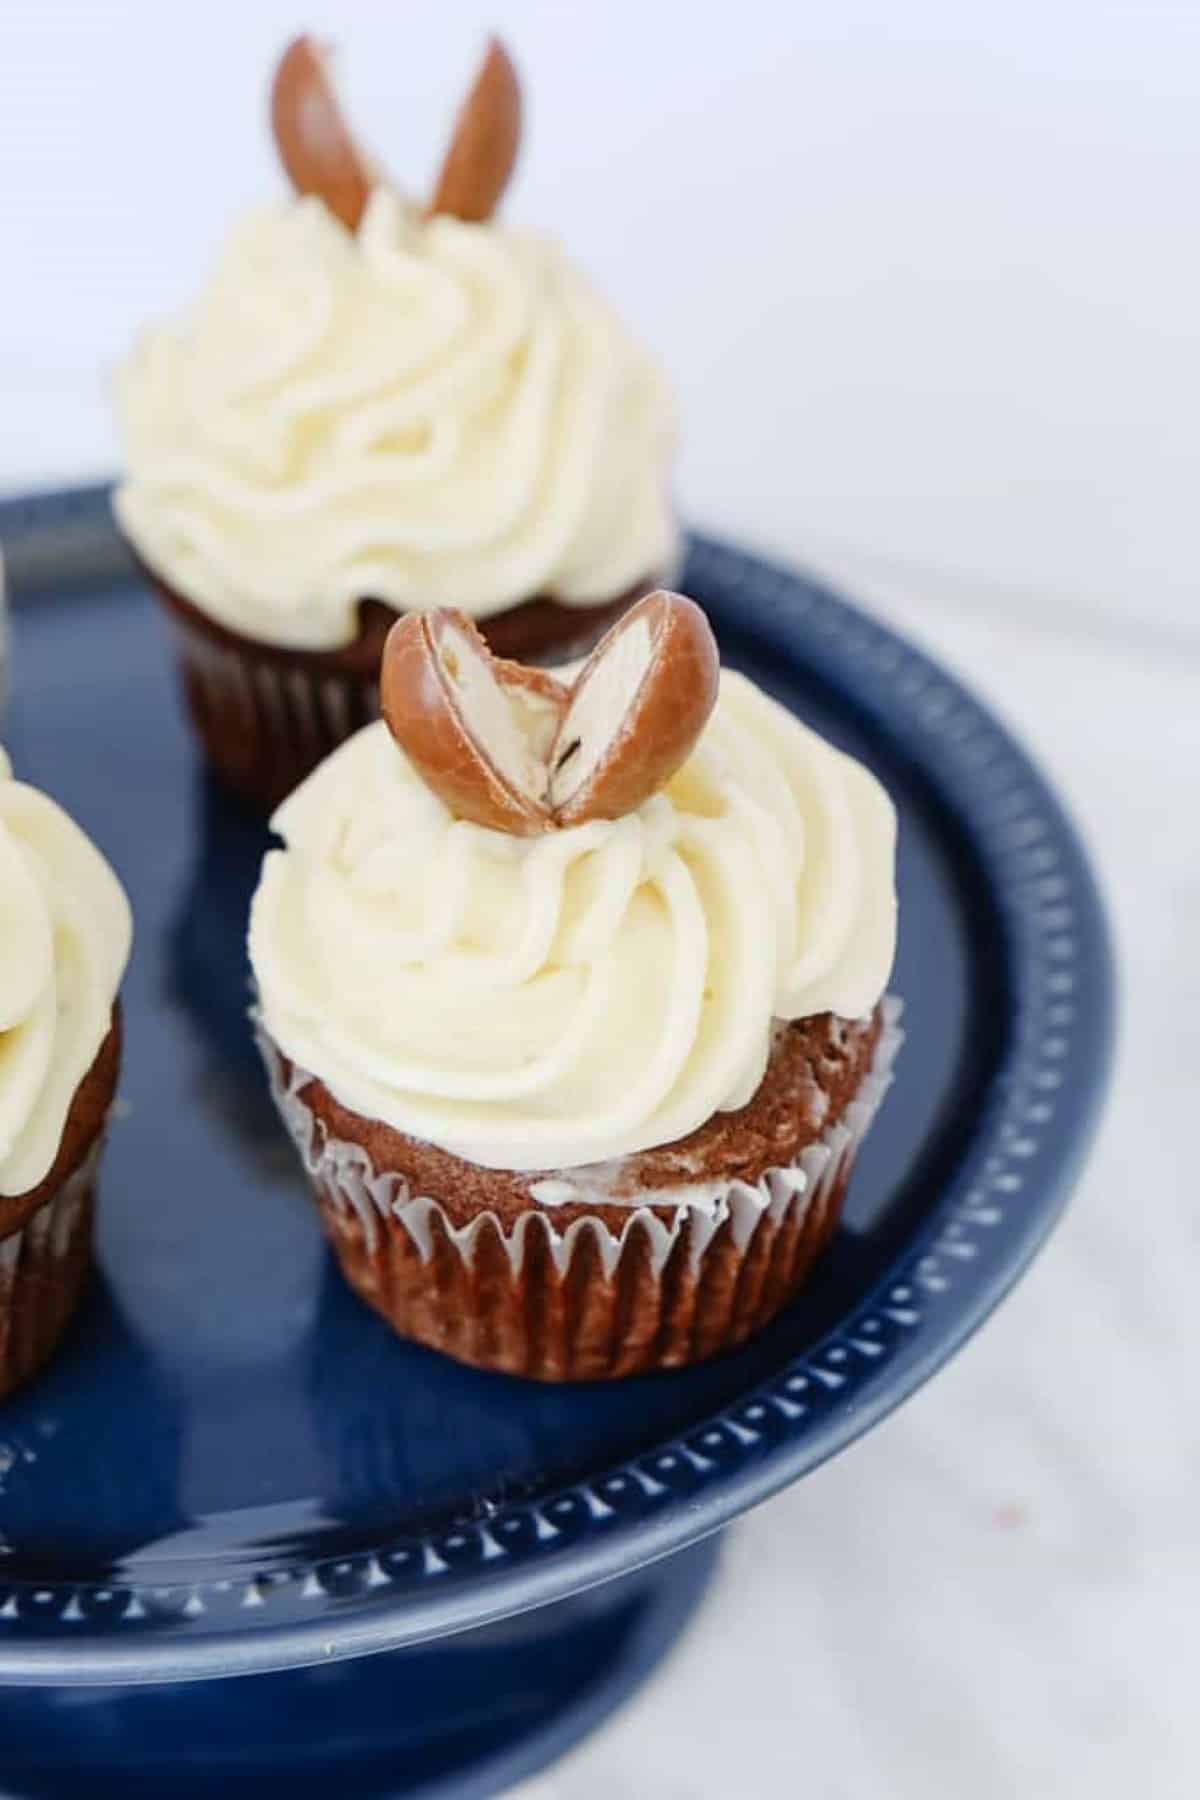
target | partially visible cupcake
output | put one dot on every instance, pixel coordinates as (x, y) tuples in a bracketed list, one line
[(378, 407), (64, 942), (572, 995)]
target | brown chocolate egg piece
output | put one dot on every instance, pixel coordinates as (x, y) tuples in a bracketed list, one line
[(478, 730), (483, 149), (315, 144), (636, 709)]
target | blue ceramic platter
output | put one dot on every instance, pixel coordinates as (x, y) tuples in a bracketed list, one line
[(232, 1466)]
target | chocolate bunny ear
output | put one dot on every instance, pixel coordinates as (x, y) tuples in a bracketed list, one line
[(314, 142), (321, 156), (483, 149), (513, 749), (637, 707), (477, 730)]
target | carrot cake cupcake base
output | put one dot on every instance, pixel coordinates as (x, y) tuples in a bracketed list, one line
[(46, 1233), (596, 1273)]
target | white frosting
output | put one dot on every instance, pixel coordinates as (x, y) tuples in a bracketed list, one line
[(427, 413), (545, 1003), (65, 934)]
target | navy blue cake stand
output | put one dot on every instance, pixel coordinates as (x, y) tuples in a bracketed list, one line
[(233, 1483)]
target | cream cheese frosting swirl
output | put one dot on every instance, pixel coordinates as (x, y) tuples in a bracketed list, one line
[(65, 934), (425, 412), (543, 1003)]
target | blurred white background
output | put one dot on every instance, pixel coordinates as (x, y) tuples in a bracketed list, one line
[(927, 275)]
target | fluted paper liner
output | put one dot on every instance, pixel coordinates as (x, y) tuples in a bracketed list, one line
[(668, 1285), (43, 1266), (266, 720)]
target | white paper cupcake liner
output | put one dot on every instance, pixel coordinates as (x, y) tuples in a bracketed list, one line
[(264, 721), (353, 1186), (709, 1250), (51, 1229), (42, 1268)]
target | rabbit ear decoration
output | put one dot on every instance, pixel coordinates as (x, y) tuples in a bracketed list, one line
[(315, 144), (635, 711), (322, 157), (483, 149), (477, 730), (516, 750)]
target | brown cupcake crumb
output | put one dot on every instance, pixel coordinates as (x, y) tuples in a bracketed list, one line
[(47, 1231), (88, 1112), (520, 1291), (816, 1067)]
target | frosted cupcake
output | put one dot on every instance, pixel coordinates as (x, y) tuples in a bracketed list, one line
[(64, 943), (378, 407), (573, 996)]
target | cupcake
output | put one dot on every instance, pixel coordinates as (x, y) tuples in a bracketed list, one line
[(64, 943), (572, 994), (378, 407)]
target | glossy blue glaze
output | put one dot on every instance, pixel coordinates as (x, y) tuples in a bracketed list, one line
[(460, 1718), (232, 1466)]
